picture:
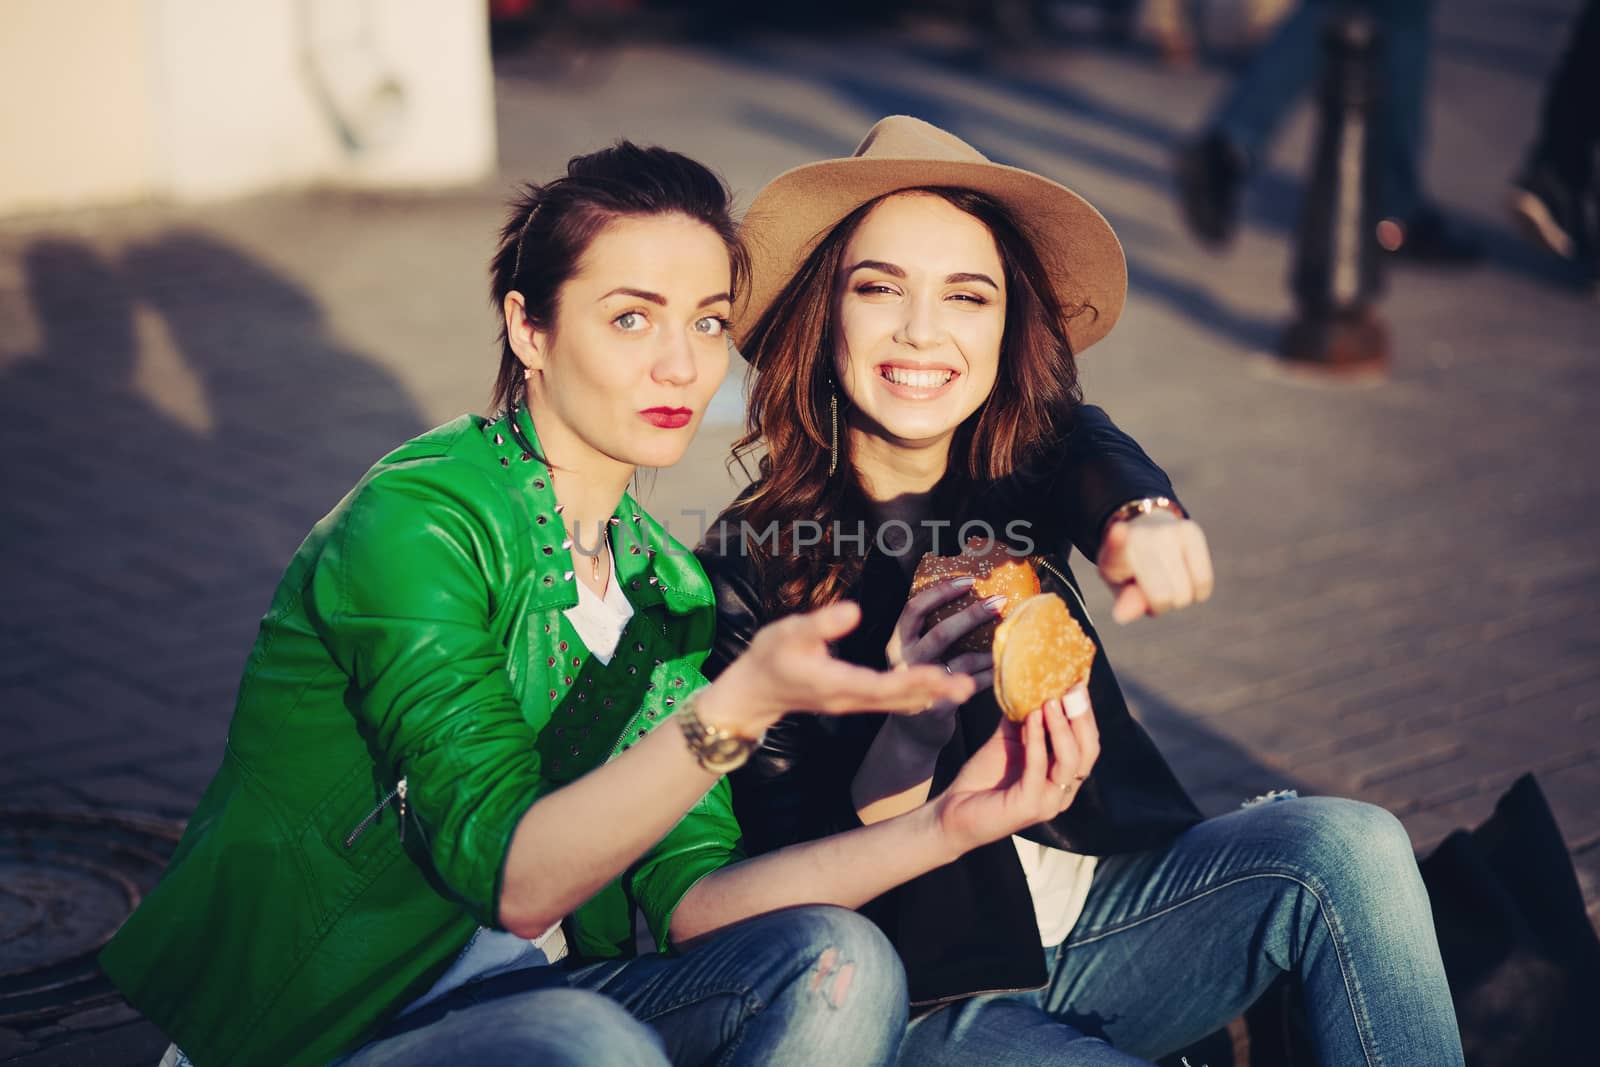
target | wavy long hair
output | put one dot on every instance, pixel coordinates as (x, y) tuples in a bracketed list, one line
[(791, 351)]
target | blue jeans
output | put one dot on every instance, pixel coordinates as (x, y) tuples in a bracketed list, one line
[(1291, 61), (1174, 943), (803, 985)]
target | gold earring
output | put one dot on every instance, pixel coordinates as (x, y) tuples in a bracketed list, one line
[(833, 438)]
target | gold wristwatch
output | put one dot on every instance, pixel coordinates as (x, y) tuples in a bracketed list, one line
[(1144, 506), (717, 750)]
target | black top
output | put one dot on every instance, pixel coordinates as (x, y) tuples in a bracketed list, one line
[(968, 927)]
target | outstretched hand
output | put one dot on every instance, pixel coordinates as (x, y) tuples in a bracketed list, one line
[(789, 667), (1155, 563)]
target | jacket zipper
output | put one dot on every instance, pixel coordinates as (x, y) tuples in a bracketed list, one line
[(1051, 567), (398, 792)]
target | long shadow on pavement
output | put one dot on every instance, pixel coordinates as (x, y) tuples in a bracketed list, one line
[(184, 420)]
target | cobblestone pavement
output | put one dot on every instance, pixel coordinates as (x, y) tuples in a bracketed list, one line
[(1408, 583)]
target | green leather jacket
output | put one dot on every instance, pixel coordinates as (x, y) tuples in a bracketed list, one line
[(414, 689)]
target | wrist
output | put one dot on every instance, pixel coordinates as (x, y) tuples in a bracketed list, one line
[(1145, 505), (716, 748), (918, 738), (947, 843), (728, 704), (1137, 509)]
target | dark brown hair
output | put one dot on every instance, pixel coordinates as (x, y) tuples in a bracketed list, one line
[(791, 350), (551, 226)]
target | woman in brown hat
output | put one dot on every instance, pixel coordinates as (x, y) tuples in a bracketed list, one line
[(915, 320)]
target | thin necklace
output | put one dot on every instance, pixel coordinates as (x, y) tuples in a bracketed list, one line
[(594, 560), (550, 472)]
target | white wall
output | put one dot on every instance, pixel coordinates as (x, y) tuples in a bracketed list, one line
[(199, 99), (74, 103)]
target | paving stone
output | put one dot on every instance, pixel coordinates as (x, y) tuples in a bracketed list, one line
[(1572, 791), (14, 1044), (100, 1018), (135, 790), (132, 1045)]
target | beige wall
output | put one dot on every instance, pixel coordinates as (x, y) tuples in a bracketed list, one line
[(199, 99), (75, 125)]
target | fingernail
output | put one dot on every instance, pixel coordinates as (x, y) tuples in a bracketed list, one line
[(996, 602), (963, 583), (1076, 701)]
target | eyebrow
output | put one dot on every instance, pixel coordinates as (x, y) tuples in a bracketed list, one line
[(878, 265), (897, 272), (661, 301)]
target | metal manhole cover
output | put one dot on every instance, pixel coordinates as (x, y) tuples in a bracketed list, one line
[(68, 878)]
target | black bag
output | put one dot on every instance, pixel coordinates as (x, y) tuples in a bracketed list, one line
[(1522, 959)]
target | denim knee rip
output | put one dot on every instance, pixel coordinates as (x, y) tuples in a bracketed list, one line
[(831, 978)]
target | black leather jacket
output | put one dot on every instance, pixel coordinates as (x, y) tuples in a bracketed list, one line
[(968, 927)]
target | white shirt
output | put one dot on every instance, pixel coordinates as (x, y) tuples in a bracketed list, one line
[(600, 622), (1059, 884)]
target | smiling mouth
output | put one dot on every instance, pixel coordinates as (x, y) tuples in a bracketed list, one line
[(916, 379)]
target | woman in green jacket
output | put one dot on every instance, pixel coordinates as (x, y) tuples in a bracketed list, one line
[(443, 794)]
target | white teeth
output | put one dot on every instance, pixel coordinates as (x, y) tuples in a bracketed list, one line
[(918, 379)]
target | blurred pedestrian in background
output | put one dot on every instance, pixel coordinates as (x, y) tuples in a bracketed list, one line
[(1211, 171), (1179, 29), (1555, 198)]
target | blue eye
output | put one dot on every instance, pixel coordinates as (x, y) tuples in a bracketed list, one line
[(711, 325), (630, 322)]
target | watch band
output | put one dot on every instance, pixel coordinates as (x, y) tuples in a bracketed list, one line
[(1144, 506), (717, 750)]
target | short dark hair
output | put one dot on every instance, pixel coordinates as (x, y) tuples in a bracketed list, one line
[(551, 226)]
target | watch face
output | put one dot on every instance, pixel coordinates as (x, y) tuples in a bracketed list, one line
[(727, 749), (724, 754), (717, 751)]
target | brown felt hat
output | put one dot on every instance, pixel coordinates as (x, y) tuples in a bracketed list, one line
[(799, 207)]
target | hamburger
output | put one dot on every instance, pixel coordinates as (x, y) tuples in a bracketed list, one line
[(1040, 652), (998, 571)]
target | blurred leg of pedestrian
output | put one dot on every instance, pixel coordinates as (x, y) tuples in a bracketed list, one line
[(1167, 26), (1412, 227), (1212, 170), (1554, 198)]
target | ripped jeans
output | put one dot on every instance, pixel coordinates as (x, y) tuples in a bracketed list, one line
[(803, 985)]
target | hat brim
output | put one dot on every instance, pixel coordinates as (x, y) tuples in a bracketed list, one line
[(797, 209)]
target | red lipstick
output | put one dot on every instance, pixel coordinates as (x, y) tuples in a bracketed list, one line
[(668, 418)]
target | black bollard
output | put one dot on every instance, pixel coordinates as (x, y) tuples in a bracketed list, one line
[(1337, 266)]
